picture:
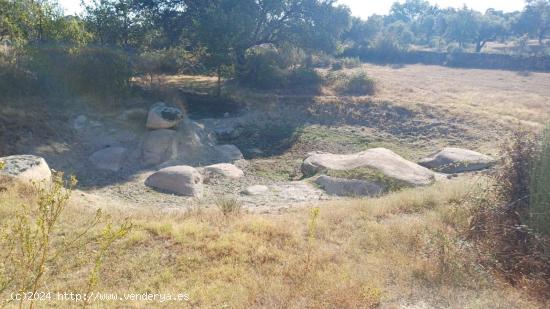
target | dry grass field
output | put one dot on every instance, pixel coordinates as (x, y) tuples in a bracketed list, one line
[(405, 250)]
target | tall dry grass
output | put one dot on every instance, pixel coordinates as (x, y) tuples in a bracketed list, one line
[(403, 249)]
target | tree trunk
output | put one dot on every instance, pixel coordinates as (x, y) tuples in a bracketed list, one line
[(241, 59), (480, 45), (219, 88)]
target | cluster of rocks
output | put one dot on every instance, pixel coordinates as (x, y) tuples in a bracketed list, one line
[(375, 171), (184, 155), (177, 144)]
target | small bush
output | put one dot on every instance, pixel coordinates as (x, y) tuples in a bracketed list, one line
[(539, 188), (15, 81), (336, 66), (354, 83), (322, 60), (385, 48), (229, 205), (34, 244), (262, 69), (268, 68), (510, 222), (346, 63), (58, 71), (304, 79)]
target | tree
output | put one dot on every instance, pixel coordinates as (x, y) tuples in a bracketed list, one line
[(535, 19), (34, 22), (115, 22), (362, 32), (462, 26), (410, 11), (489, 27), (227, 28)]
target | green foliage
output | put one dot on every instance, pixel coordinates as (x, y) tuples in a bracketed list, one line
[(263, 69), (304, 78), (30, 243), (355, 83), (266, 68), (535, 19), (539, 182), (346, 63)]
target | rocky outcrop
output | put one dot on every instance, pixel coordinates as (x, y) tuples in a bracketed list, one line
[(181, 180), (158, 146), (162, 116), (223, 169), (382, 163), (457, 160), (109, 159), (228, 153), (349, 187), (25, 168)]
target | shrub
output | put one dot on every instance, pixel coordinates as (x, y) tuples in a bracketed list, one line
[(99, 71), (539, 188), (385, 48), (58, 70), (321, 60), (509, 223), (34, 244), (267, 68), (354, 83), (346, 63), (15, 81), (304, 79), (229, 205), (262, 69)]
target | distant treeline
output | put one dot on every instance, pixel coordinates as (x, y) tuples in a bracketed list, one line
[(456, 59), (115, 40)]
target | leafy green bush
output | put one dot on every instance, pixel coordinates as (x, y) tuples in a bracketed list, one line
[(268, 68), (33, 240), (99, 71), (262, 69), (354, 83), (15, 81), (385, 48), (303, 78), (510, 219), (539, 188), (346, 63), (67, 71)]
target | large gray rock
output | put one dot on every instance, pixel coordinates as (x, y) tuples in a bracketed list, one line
[(26, 168), (181, 180), (195, 144), (223, 169), (457, 160), (110, 158), (162, 116), (228, 153), (382, 162), (349, 187), (158, 146)]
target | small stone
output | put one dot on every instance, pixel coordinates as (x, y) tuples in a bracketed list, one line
[(255, 190)]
